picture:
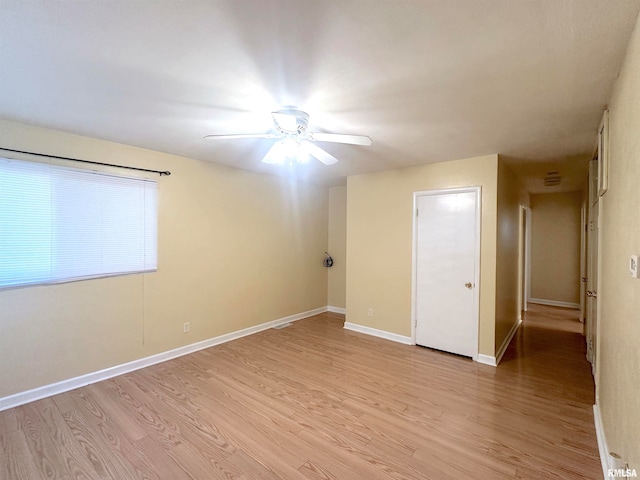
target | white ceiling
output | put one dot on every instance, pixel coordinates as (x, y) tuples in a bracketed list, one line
[(427, 80)]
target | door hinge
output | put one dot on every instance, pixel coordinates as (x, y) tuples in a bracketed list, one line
[(417, 212)]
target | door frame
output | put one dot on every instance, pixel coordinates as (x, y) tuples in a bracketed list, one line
[(593, 261), (525, 258), (584, 228), (414, 258)]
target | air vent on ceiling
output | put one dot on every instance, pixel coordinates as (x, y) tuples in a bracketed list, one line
[(552, 179)]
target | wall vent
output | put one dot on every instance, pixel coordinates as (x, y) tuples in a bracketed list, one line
[(552, 179), (280, 327)]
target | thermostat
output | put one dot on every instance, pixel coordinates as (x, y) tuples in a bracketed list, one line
[(633, 266)]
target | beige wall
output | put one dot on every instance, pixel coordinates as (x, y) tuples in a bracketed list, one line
[(618, 378), (337, 275), (555, 247), (236, 249), (379, 242), (511, 195)]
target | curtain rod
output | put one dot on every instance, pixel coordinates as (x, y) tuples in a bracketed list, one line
[(161, 173)]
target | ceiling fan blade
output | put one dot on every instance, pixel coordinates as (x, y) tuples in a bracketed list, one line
[(340, 138), (274, 155), (320, 154), (242, 135)]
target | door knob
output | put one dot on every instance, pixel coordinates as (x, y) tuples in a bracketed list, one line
[(468, 285)]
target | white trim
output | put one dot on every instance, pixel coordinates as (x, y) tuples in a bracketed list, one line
[(602, 443), (21, 398), (341, 310), (484, 359), (378, 333), (527, 290), (487, 360), (478, 246), (554, 303), (494, 361), (507, 340), (583, 260), (603, 154)]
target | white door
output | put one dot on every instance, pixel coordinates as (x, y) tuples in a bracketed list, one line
[(446, 256)]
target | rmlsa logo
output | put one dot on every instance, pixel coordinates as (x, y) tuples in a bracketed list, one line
[(622, 473)]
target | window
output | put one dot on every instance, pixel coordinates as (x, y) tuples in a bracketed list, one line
[(59, 224)]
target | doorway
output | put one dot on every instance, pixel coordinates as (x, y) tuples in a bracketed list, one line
[(446, 270)]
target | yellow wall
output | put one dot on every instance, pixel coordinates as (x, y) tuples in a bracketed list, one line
[(337, 275), (618, 377), (379, 242), (555, 247), (236, 249), (511, 195)]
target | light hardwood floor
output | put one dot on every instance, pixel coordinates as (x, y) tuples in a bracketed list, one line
[(315, 401)]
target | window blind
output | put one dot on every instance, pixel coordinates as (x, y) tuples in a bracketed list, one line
[(60, 224)]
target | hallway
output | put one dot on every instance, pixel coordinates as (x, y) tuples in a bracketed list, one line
[(546, 363)]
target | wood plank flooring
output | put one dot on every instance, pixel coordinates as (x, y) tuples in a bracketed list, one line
[(315, 401)]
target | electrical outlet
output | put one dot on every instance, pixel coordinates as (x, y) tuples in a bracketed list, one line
[(186, 327), (370, 312)]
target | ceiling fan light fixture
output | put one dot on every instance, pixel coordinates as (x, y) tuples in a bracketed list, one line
[(287, 151), (290, 148)]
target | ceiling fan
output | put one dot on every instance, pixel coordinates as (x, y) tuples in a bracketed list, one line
[(295, 142)]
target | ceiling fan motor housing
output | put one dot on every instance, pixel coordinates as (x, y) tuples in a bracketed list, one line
[(291, 121)]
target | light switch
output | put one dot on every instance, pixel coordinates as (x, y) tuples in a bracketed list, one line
[(633, 266)]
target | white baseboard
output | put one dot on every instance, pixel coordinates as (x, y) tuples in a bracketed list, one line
[(507, 340), (72, 383), (341, 310), (602, 444), (554, 303), (487, 360), (610, 466), (494, 361), (378, 333)]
